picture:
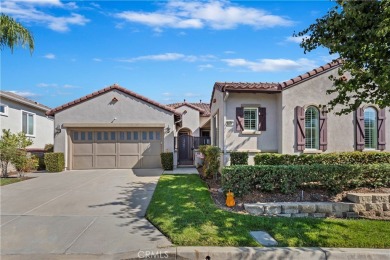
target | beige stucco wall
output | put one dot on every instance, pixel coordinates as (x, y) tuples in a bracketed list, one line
[(264, 141), (190, 120), (232, 140), (204, 122), (44, 128), (341, 129), (126, 110)]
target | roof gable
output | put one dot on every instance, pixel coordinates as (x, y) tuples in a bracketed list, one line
[(203, 108), (105, 90)]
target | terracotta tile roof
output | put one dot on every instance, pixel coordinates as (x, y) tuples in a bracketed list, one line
[(248, 86), (203, 108), (24, 100), (312, 73), (261, 87), (107, 89)]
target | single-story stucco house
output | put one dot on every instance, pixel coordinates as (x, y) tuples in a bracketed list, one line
[(20, 114), (292, 118), (118, 128)]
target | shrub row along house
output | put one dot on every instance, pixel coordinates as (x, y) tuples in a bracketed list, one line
[(118, 128)]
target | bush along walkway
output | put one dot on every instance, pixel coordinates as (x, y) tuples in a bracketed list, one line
[(183, 210)]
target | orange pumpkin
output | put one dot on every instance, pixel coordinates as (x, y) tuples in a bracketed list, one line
[(230, 199)]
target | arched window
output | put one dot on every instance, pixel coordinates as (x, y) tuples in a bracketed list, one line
[(370, 128), (312, 129)]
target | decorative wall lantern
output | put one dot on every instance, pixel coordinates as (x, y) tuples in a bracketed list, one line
[(57, 129), (167, 130)]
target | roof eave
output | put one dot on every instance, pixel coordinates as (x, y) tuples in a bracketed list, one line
[(37, 106)]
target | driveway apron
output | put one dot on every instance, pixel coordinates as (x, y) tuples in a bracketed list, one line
[(80, 212)]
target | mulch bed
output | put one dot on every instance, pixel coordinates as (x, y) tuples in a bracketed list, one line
[(308, 195)]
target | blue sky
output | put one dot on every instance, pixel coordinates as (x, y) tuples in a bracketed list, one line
[(165, 50)]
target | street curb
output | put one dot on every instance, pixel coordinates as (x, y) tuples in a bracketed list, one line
[(226, 253), (312, 253)]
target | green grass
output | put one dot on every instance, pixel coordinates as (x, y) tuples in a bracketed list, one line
[(6, 181), (183, 210)]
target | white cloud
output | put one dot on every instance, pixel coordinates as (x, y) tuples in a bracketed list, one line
[(205, 66), (167, 94), (39, 2), (95, 5), (218, 15), (56, 86), (270, 65), (45, 85), (297, 39), (50, 56), (27, 11), (170, 56), (26, 94), (229, 52), (97, 59)]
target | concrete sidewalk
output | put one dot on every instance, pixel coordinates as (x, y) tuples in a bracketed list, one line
[(184, 170), (228, 253)]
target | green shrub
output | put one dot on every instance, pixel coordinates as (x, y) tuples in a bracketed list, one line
[(325, 158), (211, 159), (239, 158), (54, 162), (167, 161), (289, 178)]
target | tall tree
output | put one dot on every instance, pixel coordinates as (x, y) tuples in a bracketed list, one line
[(14, 34), (359, 32)]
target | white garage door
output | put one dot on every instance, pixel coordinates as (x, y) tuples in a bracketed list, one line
[(125, 148)]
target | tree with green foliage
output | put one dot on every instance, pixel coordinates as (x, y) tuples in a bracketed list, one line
[(359, 32), (14, 34), (11, 146)]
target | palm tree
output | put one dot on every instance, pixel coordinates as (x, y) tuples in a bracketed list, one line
[(13, 33)]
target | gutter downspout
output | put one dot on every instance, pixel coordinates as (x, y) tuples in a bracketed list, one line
[(224, 125)]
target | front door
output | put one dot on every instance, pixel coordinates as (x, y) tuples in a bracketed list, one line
[(185, 150)]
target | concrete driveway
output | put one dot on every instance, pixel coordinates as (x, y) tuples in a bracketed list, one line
[(91, 212)]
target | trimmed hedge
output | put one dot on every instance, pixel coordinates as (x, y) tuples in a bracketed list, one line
[(167, 161), (54, 162), (289, 178), (239, 158), (326, 158)]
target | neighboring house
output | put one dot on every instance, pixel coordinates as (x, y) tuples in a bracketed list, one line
[(193, 131), (292, 118), (20, 114), (114, 128)]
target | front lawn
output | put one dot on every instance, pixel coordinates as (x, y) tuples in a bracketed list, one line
[(6, 181), (183, 210)]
